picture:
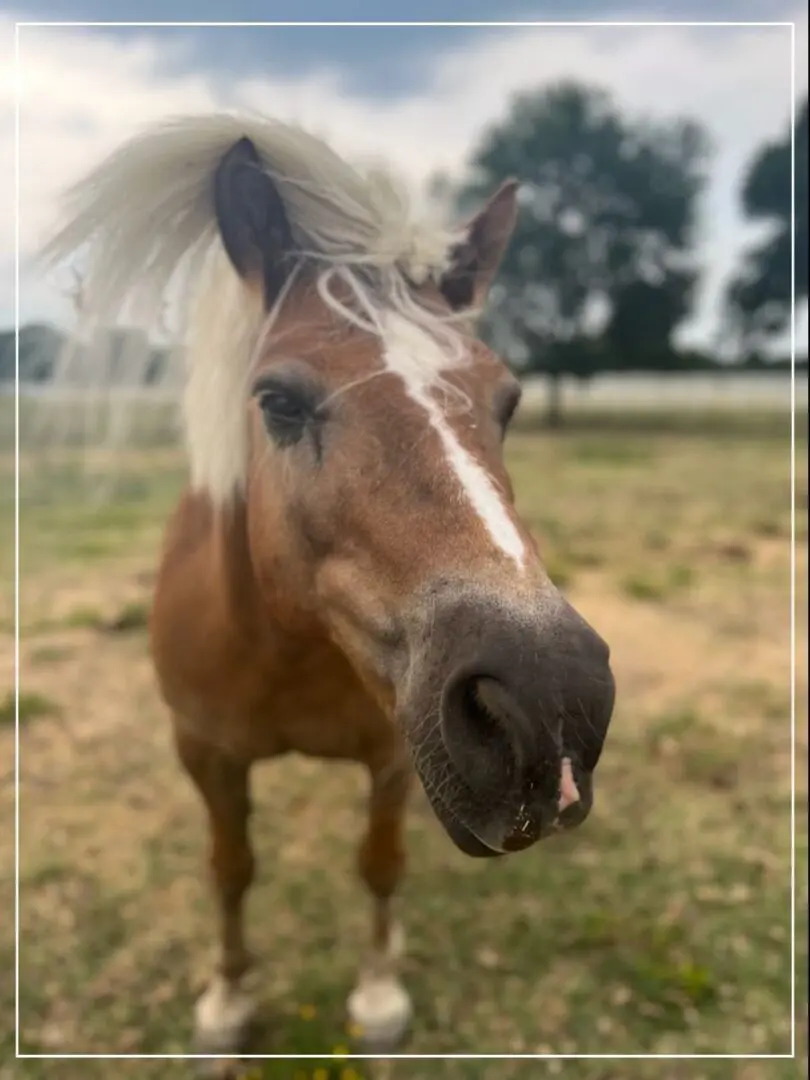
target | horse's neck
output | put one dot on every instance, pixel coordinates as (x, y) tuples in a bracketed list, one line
[(224, 652), (230, 552), (206, 573), (269, 611), (212, 622)]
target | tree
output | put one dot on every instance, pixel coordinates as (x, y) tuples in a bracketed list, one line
[(39, 347), (600, 270), (759, 297)]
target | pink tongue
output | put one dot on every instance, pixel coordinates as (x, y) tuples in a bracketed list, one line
[(569, 793)]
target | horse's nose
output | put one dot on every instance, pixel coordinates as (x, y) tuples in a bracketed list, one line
[(507, 715), (528, 713)]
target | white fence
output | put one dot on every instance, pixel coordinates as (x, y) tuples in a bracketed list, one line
[(741, 391)]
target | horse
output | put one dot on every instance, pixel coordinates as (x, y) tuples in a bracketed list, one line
[(345, 574)]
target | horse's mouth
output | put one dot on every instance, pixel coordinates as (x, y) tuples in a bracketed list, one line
[(521, 831), (466, 840)]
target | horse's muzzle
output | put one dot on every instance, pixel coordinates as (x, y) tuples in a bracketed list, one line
[(506, 714)]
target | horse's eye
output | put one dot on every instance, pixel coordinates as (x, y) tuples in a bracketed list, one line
[(286, 413), (506, 406)]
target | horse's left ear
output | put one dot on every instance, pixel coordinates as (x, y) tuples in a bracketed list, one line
[(475, 261), (252, 220)]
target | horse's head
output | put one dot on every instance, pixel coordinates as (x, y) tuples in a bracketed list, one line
[(335, 378), (377, 489)]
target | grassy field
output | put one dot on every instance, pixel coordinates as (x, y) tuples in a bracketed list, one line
[(663, 927)]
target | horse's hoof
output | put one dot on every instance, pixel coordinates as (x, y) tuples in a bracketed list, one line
[(380, 1013), (221, 1068), (223, 1020)]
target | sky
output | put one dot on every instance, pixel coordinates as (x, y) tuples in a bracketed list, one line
[(416, 96)]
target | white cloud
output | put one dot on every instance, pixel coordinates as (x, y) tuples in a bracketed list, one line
[(81, 94)]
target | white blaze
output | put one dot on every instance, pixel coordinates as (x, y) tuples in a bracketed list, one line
[(413, 355)]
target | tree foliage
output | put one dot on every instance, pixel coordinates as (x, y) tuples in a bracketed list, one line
[(759, 297), (40, 345), (600, 270)]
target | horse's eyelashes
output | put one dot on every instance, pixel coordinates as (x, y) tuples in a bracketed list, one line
[(286, 414)]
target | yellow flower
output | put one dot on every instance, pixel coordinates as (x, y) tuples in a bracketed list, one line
[(307, 1012)]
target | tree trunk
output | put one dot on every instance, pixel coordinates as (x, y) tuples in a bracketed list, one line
[(554, 400)]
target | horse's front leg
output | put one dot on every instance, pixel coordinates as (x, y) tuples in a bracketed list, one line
[(226, 1009), (379, 1006)]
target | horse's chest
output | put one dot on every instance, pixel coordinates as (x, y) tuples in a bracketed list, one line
[(318, 717)]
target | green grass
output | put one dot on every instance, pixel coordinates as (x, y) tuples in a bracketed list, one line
[(131, 617), (660, 583), (61, 515), (662, 927), (31, 706), (48, 654)]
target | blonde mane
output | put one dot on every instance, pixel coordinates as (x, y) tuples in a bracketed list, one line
[(143, 227)]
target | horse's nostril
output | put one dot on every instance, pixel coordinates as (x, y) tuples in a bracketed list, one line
[(487, 704), (478, 731)]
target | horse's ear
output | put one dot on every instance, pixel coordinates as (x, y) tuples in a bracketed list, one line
[(476, 259), (251, 218)]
